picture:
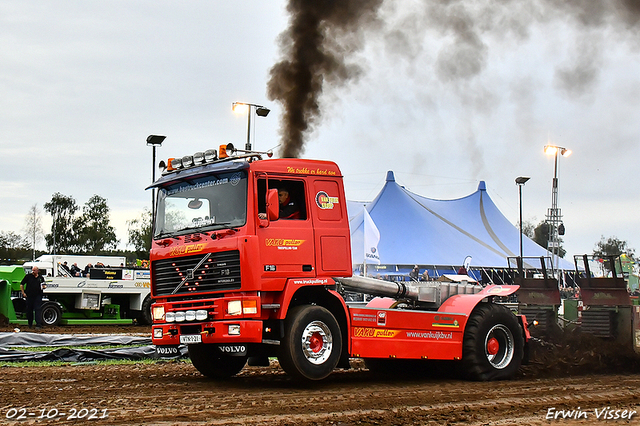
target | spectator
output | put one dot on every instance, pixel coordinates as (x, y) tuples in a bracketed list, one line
[(87, 269), (415, 272), (75, 270), (425, 275), (64, 269), (462, 271)]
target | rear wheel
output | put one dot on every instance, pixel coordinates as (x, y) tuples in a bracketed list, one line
[(51, 314), (312, 343), (493, 344), (208, 360)]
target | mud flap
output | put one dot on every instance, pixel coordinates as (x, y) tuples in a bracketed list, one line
[(167, 352)]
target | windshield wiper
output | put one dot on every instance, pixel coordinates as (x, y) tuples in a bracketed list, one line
[(165, 235), (209, 227)]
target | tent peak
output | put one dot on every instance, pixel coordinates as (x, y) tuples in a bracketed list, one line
[(482, 186), (390, 176)]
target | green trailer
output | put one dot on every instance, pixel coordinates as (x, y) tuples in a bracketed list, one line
[(113, 296)]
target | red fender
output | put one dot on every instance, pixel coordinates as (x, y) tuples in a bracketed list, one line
[(464, 303)]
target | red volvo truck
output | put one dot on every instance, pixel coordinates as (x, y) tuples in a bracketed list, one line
[(238, 283)]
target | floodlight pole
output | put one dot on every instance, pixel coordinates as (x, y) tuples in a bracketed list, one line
[(154, 141), (248, 144), (520, 181), (261, 111), (554, 215)]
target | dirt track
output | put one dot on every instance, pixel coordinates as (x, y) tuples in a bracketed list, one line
[(175, 393)]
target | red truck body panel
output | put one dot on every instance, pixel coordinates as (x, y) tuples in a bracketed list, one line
[(243, 281)]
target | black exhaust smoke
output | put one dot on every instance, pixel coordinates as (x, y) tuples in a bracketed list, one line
[(323, 35)]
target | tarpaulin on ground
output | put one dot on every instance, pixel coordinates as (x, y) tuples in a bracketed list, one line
[(424, 231), (44, 339), (16, 340)]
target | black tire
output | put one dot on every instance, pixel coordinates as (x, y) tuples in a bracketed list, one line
[(208, 360), (51, 314), (312, 343), (493, 344), (145, 315)]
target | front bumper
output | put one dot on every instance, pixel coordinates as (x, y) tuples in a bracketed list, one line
[(250, 331)]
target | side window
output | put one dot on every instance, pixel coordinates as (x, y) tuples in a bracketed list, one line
[(290, 195)]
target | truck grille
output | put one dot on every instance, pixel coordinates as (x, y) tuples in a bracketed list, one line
[(218, 271)]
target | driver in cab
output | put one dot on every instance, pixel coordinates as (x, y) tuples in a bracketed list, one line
[(288, 208)]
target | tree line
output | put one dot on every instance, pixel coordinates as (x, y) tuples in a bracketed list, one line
[(87, 230), (75, 230), (610, 246)]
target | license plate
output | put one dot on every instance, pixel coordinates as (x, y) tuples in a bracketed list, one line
[(191, 339)]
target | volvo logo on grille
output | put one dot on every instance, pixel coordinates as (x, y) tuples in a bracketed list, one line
[(189, 275)]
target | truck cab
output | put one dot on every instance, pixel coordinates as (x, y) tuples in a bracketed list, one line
[(226, 267)]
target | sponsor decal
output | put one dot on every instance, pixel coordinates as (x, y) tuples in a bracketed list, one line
[(382, 318), (364, 317), (454, 324), (199, 185), (144, 275), (113, 285), (308, 171), (143, 284), (431, 335), (445, 321), (374, 332), (190, 248), (236, 178), (324, 201), (284, 243), (603, 296), (312, 281)]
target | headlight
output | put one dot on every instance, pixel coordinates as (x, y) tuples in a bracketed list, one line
[(170, 317), (234, 307), (190, 315), (202, 315), (234, 329), (158, 313), (180, 316), (157, 333)]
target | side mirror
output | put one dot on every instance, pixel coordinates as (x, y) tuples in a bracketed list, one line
[(273, 205)]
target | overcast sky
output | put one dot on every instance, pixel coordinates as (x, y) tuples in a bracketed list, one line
[(83, 84)]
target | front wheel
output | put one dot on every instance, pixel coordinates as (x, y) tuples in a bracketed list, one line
[(145, 315), (208, 360), (312, 343), (493, 344)]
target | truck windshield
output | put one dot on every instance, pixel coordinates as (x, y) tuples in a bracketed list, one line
[(211, 202)]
